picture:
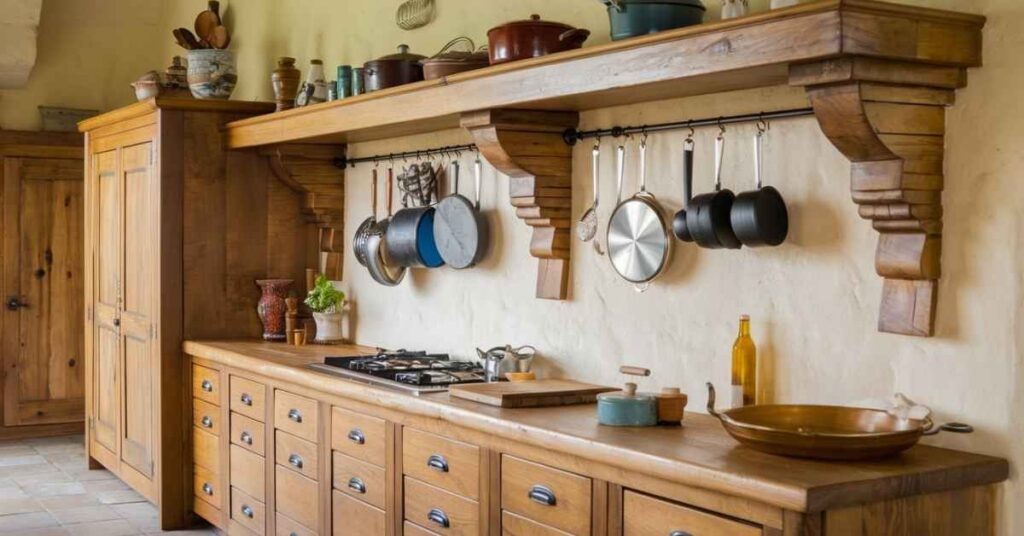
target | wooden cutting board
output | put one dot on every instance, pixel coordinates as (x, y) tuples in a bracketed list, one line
[(530, 394)]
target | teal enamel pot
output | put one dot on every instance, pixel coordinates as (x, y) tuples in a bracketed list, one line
[(630, 18)]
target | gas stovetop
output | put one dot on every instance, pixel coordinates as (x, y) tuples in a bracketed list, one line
[(418, 372)]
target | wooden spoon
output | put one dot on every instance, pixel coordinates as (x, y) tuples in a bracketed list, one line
[(221, 38), (190, 39), (180, 38), (207, 21)]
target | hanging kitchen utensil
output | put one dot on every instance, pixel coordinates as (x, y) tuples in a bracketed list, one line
[(638, 239), (410, 236), (414, 14), (359, 240), (759, 217), (382, 269), (679, 226), (586, 228), (707, 215), (459, 228)]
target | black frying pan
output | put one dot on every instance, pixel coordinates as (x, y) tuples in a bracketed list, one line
[(707, 215), (759, 217)]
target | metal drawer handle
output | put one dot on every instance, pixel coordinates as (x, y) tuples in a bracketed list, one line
[(206, 421), (438, 463), (542, 495), (356, 436), (207, 488), (356, 484), (247, 511), (679, 533), (206, 385), (246, 438), (295, 415), (295, 460), (246, 399), (437, 516)]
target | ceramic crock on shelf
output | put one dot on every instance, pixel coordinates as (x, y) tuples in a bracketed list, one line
[(285, 80), (211, 73), (272, 307)]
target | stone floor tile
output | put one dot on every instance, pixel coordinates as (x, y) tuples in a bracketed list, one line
[(14, 471), (145, 524), (12, 493), (60, 502), (33, 459), (20, 523), (97, 486), (29, 481), (116, 527), (16, 449), (51, 489), (88, 475), (119, 497), (23, 505), (45, 531), (136, 509), (84, 514)]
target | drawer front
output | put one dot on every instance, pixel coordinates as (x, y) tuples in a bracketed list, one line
[(248, 512), (205, 451), (290, 527), (360, 436), (206, 486), (295, 414), (412, 529), (206, 416), (248, 398), (646, 516), (206, 384), (359, 479), (297, 454), (440, 511), (517, 525), (355, 518), (297, 497), (445, 463), (248, 473), (209, 512), (546, 495), (248, 433)]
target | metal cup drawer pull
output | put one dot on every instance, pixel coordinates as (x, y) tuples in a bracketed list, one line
[(438, 463), (295, 460), (356, 484), (246, 438), (207, 488), (247, 511), (206, 421), (246, 399), (542, 495), (295, 415), (206, 385), (679, 533), (437, 516), (356, 436)]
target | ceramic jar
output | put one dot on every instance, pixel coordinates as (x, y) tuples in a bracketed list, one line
[(147, 86), (211, 73), (732, 9), (314, 89), (272, 307), (328, 327), (285, 80)]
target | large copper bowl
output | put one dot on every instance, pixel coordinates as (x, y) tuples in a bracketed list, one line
[(824, 432)]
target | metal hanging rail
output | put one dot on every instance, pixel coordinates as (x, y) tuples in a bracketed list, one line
[(343, 162), (571, 136)]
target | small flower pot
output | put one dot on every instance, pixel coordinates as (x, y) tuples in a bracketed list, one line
[(328, 327)]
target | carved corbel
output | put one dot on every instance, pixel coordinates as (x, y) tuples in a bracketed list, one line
[(527, 146), (888, 118), (310, 170)]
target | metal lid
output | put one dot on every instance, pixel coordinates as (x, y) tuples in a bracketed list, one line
[(534, 20), (627, 395), (403, 54), (692, 3)]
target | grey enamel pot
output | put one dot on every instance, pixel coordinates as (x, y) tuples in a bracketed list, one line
[(630, 18), (460, 230)]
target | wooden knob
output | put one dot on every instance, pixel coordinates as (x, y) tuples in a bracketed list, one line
[(634, 371), (629, 389)]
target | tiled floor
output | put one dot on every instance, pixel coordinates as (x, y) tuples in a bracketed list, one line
[(47, 490)]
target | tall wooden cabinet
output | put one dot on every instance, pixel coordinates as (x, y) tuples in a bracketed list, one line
[(177, 231)]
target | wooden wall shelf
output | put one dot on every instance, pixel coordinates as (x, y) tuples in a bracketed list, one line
[(877, 74)]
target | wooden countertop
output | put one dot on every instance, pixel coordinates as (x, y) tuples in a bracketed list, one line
[(699, 453)]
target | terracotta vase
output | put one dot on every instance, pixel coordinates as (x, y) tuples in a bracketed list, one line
[(286, 83), (272, 307)]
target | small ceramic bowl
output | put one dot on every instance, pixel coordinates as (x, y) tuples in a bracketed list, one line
[(146, 89)]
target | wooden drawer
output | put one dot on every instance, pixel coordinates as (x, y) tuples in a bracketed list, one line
[(205, 450), (359, 479), (411, 529), (646, 516), (206, 416), (248, 473), (517, 525), (297, 497), (297, 454), (248, 398), (248, 433), (295, 414), (440, 511), (360, 436), (209, 512), (206, 384), (442, 462), (546, 495), (248, 512), (355, 518), (206, 485), (290, 527)]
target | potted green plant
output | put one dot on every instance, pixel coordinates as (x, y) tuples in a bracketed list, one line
[(326, 302)]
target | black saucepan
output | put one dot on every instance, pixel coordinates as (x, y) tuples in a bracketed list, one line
[(459, 228), (707, 215), (679, 226), (759, 217)]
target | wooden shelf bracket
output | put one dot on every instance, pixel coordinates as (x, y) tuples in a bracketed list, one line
[(528, 147), (888, 118)]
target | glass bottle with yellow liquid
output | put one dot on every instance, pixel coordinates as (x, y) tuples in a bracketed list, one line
[(744, 367)]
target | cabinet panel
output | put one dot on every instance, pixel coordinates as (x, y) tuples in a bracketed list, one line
[(290, 527), (296, 415), (106, 271), (297, 454), (248, 512), (648, 516), (248, 433), (359, 479), (359, 436), (206, 485), (248, 473), (206, 416), (356, 518), (516, 525), (297, 497), (448, 464), (206, 384), (439, 510), (545, 494), (248, 398)]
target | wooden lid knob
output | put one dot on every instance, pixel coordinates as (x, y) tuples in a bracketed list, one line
[(630, 389)]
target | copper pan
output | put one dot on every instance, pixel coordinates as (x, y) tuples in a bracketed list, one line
[(825, 432)]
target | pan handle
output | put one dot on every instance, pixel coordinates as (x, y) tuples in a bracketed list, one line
[(620, 170), (758, 149), (643, 165), (711, 401), (373, 194), (641, 287), (391, 188), (594, 163), (455, 176), (719, 154), (478, 168), (687, 172), (955, 427)]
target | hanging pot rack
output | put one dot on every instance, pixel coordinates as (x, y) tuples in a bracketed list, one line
[(447, 150), (572, 135)]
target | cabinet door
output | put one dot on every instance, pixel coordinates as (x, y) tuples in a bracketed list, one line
[(139, 357), (42, 279), (105, 208)]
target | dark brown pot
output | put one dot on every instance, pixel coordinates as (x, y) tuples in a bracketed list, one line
[(393, 70), (524, 39), (454, 62)]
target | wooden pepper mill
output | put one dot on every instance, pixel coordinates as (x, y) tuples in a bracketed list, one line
[(291, 318), (285, 80)]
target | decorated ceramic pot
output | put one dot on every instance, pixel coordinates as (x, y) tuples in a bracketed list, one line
[(211, 73), (272, 307)]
